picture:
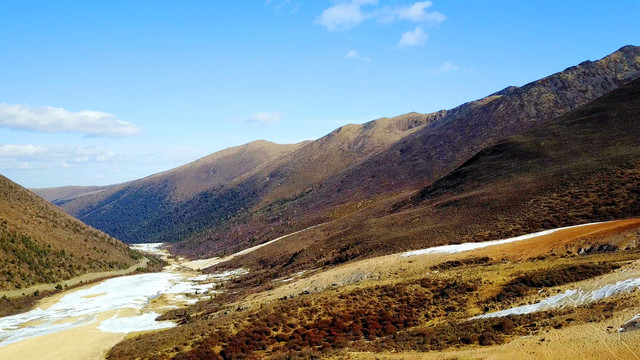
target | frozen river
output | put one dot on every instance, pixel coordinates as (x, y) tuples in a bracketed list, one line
[(134, 293)]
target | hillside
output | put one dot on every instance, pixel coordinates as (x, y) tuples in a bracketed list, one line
[(581, 167), (39, 243), (126, 210)]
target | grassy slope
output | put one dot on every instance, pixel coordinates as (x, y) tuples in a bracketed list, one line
[(39, 243)]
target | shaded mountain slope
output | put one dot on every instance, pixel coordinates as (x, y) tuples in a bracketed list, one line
[(192, 198), (581, 167), (39, 243)]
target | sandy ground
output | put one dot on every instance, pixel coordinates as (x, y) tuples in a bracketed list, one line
[(74, 281)]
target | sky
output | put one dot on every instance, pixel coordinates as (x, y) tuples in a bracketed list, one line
[(102, 92)]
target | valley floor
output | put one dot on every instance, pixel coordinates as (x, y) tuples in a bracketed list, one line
[(434, 294)]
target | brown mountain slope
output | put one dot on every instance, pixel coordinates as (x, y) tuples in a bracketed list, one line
[(125, 210), (581, 167), (416, 159), (39, 243)]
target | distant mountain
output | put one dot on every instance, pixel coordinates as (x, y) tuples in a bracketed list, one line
[(346, 172), (39, 243), (59, 193), (127, 210)]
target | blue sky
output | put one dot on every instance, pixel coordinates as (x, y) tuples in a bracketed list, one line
[(100, 92)]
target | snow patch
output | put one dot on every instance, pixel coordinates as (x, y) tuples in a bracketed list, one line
[(456, 248), (136, 323), (569, 298)]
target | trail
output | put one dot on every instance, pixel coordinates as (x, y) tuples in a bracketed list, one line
[(205, 263)]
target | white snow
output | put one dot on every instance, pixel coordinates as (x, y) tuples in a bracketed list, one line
[(456, 248), (136, 323), (152, 248), (569, 298)]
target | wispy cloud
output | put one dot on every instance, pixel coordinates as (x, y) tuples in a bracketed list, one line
[(32, 164), (57, 120), (416, 37), (415, 13), (280, 5), (264, 118), (344, 15), (351, 54), (25, 154), (446, 67)]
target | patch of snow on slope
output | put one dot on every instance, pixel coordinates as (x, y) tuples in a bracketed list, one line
[(456, 248), (568, 298), (136, 323)]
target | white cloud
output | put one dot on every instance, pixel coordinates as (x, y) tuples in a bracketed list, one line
[(415, 13), (28, 153), (446, 67), (55, 120), (264, 118), (414, 37), (345, 15), (352, 54), (349, 14)]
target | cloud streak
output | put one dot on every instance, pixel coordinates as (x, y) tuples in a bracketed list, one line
[(264, 118), (60, 154), (49, 119), (415, 13)]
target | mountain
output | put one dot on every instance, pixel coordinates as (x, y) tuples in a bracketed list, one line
[(343, 173), (126, 210), (581, 167), (39, 243), (418, 158)]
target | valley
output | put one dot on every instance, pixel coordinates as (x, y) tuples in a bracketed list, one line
[(505, 227)]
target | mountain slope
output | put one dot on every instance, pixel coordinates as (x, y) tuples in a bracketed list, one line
[(39, 243), (125, 210), (581, 167), (421, 156)]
